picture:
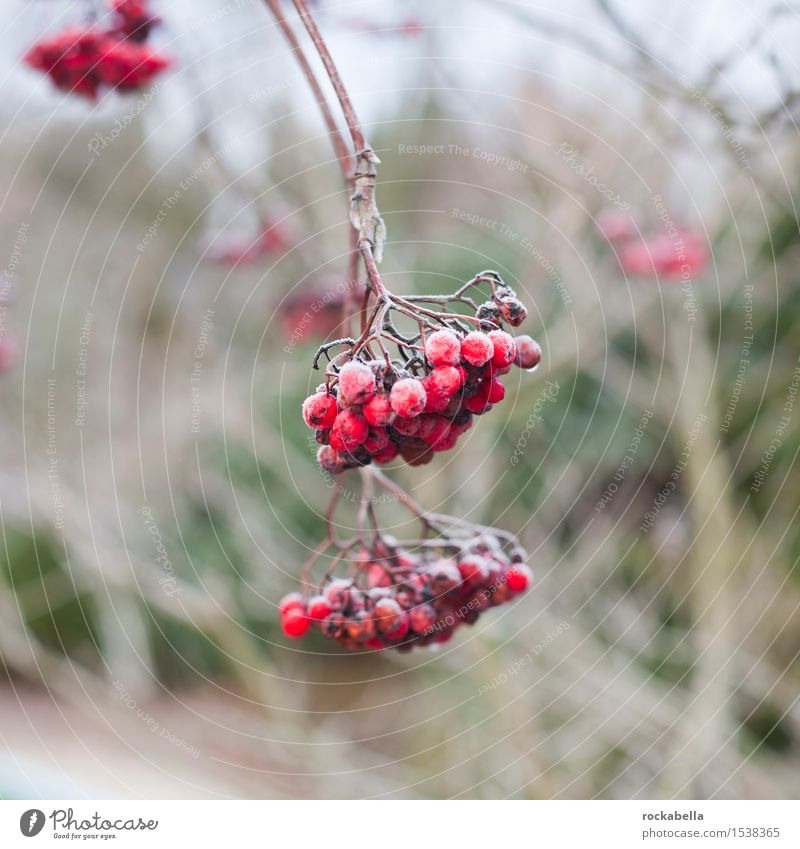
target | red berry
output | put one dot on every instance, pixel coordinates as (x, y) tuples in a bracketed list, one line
[(378, 411), (440, 430), (445, 380), (408, 397), (443, 348), (477, 404), (377, 576), (435, 403), (356, 384), (349, 431), (388, 615), (504, 348), (476, 348), (422, 618), (400, 630), (473, 570), (495, 391), (318, 608), (292, 601), (377, 439), (407, 427), (295, 623), (329, 460), (528, 352), (319, 411), (339, 593), (386, 455), (446, 442), (517, 578)]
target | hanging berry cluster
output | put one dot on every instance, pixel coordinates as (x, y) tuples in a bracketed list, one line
[(403, 595), (409, 385), (86, 59), (421, 401)]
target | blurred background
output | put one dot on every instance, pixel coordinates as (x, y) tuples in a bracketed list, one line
[(172, 258)]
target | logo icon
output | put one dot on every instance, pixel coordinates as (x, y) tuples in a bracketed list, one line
[(31, 822)]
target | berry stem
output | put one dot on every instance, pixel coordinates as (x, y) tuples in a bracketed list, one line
[(353, 125), (337, 140)]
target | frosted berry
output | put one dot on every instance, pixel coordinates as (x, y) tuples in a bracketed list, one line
[(292, 601), (445, 380), (443, 348), (504, 348), (356, 384), (489, 311), (386, 455), (408, 397), (378, 411), (518, 578), (330, 460), (388, 615), (295, 623), (349, 431), (476, 348), (319, 411), (514, 311), (528, 352), (422, 618), (318, 608), (377, 439)]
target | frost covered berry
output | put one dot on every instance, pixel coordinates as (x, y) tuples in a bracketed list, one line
[(528, 352), (443, 348), (518, 578), (356, 384), (408, 397), (295, 623), (319, 411), (329, 460), (514, 311), (445, 381), (318, 608), (378, 411), (349, 431), (504, 348), (292, 601), (476, 348)]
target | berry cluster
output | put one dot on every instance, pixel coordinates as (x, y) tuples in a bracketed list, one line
[(399, 599), (86, 59), (374, 410)]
